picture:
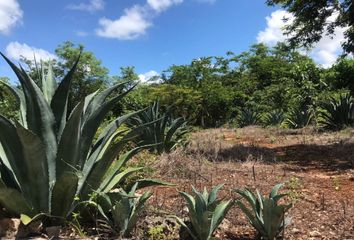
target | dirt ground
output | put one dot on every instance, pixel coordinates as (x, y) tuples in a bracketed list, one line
[(317, 169)]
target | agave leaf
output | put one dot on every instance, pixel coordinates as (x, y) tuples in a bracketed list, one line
[(14, 202), (39, 117), (34, 163), (219, 214), (7, 177), (190, 201), (49, 85), (176, 124), (63, 194), (138, 207), (94, 175), (253, 219), (143, 183), (94, 119), (118, 179), (59, 103), (68, 157), (214, 192), (121, 213), (275, 190)]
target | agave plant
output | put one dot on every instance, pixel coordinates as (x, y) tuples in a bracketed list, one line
[(121, 209), (48, 159), (338, 114), (273, 118), (248, 117), (205, 213), (166, 133), (265, 214), (299, 118)]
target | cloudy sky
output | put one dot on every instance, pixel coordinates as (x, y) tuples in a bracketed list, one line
[(148, 34)]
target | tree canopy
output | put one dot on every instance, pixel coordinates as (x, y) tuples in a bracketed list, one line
[(315, 18)]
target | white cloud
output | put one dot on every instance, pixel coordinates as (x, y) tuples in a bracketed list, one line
[(274, 30), (16, 50), (135, 20), (10, 15), (129, 26), (324, 52), (91, 6), (162, 5), (150, 77)]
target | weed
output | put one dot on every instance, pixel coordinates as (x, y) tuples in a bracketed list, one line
[(294, 185)]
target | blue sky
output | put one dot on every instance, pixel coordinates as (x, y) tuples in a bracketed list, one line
[(148, 34)]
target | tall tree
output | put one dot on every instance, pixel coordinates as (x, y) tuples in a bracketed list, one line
[(314, 18)]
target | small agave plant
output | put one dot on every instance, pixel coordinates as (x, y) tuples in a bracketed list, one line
[(121, 210), (265, 214), (205, 213), (49, 158)]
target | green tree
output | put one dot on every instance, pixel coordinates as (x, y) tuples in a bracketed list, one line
[(313, 20), (90, 74), (8, 104)]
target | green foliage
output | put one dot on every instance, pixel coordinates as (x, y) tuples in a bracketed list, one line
[(338, 114), (247, 117), (205, 213), (273, 118), (37, 145), (165, 132), (8, 103), (264, 213), (299, 118)]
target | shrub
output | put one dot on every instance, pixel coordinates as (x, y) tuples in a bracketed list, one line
[(265, 214), (338, 114), (205, 213)]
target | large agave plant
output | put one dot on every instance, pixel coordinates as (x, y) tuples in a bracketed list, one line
[(206, 213), (47, 158), (338, 114), (265, 214), (165, 133)]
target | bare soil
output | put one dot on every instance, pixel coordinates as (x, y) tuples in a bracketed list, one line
[(317, 169)]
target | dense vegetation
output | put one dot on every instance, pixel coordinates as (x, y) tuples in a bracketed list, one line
[(211, 91)]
